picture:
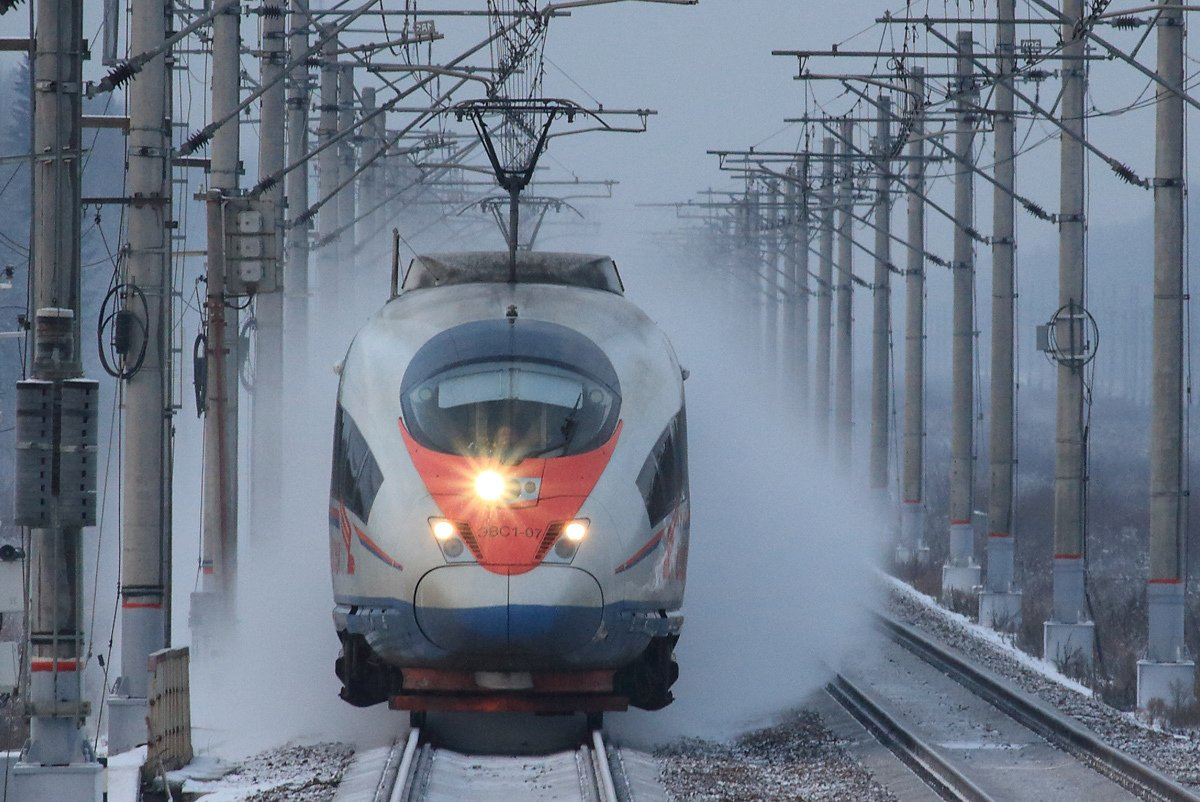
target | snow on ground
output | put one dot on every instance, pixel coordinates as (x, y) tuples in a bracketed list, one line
[(796, 760), (289, 774), (1175, 753)]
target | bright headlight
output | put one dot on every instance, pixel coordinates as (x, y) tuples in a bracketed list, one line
[(490, 486), (443, 529), (575, 531)]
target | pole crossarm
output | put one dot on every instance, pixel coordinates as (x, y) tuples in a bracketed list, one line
[(1123, 171), (1033, 207), (1082, 28), (970, 230)]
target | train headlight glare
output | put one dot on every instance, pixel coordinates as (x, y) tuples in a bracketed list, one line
[(575, 531), (444, 530), (490, 486)]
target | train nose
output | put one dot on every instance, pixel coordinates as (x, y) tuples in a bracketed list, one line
[(467, 609)]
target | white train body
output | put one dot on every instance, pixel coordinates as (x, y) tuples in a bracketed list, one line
[(509, 507)]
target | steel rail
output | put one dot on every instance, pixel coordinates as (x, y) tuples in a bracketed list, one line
[(1055, 727), (932, 769), (405, 774)]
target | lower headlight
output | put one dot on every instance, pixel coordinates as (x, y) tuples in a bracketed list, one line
[(577, 530), (442, 529)]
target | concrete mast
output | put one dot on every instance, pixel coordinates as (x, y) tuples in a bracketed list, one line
[(1000, 601), (372, 182), (58, 762), (843, 444), (146, 468), (771, 282), (881, 323), (789, 292), (346, 245), (1167, 673), (912, 510), (328, 269), (822, 404), (960, 573), (266, 459), (296, 262), (214, 604), (798, 206), (1068, 636)]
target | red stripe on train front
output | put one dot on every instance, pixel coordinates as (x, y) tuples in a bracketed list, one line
[(506, 538)]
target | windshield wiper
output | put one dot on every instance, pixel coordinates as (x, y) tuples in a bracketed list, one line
[(570, 425)]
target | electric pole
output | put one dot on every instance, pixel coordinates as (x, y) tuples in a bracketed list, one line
[(960, 573), (843, 398), (213, 605), (296, 263), (1168, 673), (1000, 601), (881, 323), (57, 424), (266, 458), (147, 469), (798, 207), (328, 269), (345, 246), (912, 510), (1069, 636), (822, 399)]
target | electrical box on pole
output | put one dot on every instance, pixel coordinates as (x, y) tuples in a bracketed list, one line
[(57, 434), (251, 246)]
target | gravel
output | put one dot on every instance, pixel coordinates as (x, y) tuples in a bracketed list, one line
[(1174, 752), (289, 774), (797, 759)]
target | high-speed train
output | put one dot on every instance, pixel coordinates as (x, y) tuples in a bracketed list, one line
[(509, 507)]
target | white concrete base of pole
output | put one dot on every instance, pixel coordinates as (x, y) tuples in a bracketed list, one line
[(1174, 684), (960, 579), (1000, 610), (1067, 644), (77, 782), (127, 727)]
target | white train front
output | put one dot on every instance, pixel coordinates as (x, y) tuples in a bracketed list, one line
[(509, 506)]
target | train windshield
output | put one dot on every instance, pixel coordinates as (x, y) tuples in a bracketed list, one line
[(510, 392)]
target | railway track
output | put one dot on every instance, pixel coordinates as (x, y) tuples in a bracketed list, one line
[(961, 763), (415, 770)]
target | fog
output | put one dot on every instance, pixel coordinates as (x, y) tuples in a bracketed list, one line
[(781, 549)]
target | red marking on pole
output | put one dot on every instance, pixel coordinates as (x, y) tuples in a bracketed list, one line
[(129, 605), (53, 664), (960, 522), (1165, 581), (207, 571), (999, 534), (912, 501), (1068, 556)]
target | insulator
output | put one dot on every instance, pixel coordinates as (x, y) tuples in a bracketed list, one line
[(121, 74), (1126, 22)]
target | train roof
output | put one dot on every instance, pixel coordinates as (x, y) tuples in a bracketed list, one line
[(533, 267)]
